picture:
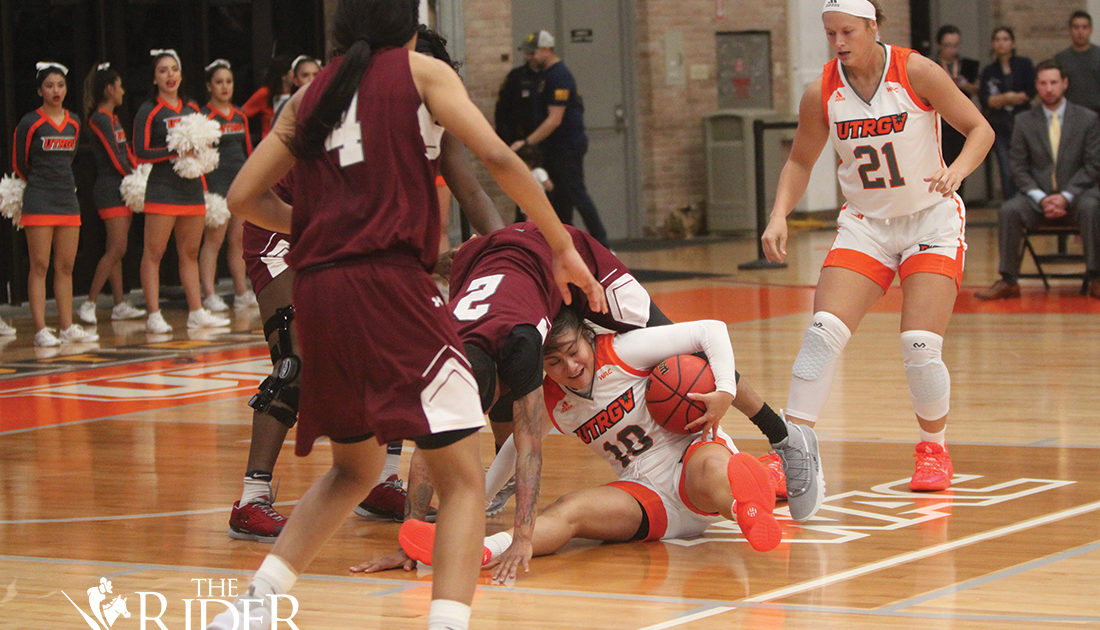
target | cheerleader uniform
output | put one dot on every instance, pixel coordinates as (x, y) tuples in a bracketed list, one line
[(166, 192), (113, 161), (234, 148), (42, 155)]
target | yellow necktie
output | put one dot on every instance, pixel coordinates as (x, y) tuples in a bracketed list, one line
[(1055, 138)]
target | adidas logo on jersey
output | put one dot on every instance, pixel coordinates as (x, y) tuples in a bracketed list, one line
[(839, 97)]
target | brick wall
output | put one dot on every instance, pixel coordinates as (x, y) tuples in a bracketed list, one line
[(1041, 28)]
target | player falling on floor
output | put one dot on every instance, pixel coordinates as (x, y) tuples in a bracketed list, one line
[(880, 107), (670, 485)]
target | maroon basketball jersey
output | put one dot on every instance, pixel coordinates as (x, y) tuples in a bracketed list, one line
[(504, 279), (373, 190)]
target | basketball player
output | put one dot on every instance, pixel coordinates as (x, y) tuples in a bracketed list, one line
[(880, 107), (173, 204), (369, 228), (103, 92), (670, 485), (504, 303), (42, 155)]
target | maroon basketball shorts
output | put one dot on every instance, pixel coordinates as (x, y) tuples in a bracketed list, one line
[(264, 255), (380, 355)]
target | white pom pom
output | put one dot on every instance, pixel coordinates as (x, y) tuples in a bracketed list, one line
[(196, 134), (11, 198), (217, 211), (133, 187)]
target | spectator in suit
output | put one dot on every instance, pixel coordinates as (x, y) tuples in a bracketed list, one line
[(1006, 89), (964, 72), (1055, 160), (1082, 63)]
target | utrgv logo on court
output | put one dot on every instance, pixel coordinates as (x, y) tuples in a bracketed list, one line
[(103, 614), (152, 607)]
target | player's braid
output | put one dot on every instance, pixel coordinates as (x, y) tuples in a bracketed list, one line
[(359, 27)]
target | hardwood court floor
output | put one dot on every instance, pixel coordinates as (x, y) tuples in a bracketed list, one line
[(122, 459)]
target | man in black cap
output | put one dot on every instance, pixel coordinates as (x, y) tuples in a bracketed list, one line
[(560, 134)]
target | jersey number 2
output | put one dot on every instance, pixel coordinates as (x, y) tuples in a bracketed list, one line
[(873, 164), (481, 289)]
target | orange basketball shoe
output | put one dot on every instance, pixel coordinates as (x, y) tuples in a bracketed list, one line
[(934, 469), (774, 464), (417, 539), (754, 500)]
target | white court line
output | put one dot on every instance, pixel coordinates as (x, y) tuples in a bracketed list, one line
[(682, 620), (923, 553), (887, 562), (124, 517)]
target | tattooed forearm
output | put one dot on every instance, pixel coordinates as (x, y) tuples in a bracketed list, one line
[(419, 499), (529, 414)]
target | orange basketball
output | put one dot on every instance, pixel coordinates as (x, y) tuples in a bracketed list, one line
[(669, 384)]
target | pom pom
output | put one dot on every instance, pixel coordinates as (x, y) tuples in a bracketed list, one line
[(194, 134), (11, 197), (217, 211), (133, 187)]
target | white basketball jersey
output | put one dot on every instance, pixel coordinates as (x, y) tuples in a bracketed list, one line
[(887, 146), (615, 422)]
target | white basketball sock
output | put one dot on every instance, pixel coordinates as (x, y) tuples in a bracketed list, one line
[(498, 543), (446, 614), (939, 438), (255, 490), (274, 577)]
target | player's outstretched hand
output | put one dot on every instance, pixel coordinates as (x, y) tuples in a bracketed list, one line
[(718, 403), (569, 268), (397, 559), (517, 555), (775, 239)]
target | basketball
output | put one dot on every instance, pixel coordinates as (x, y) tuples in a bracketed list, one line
[(669, 384)]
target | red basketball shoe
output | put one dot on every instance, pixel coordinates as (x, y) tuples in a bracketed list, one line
[(386, 501), (417, 539), (754, 498), (256, 520), (934, 469), (774, 464)]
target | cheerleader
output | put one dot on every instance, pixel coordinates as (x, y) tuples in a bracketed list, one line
[(42, 154), (103, 93), (278, 83), (302, 71), (234, 148), (173, 204)]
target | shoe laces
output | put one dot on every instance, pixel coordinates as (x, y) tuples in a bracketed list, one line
[(930, 462), (798, 467)]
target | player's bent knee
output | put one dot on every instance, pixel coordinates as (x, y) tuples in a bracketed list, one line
[(821, 345), (278, 394), (929, 380)]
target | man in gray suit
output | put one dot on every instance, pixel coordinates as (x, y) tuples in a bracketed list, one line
[(1061, 191)]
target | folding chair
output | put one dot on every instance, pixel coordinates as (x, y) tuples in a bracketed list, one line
[(1061, 256)]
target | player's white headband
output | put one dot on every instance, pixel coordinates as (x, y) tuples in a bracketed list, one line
[(218, 63), (171, 52), (44, 65), (858, 8), (300, 59)]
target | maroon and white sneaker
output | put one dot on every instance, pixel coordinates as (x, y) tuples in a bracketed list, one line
[(386, 501), (256, 520)]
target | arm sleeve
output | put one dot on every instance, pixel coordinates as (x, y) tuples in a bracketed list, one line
[(143, 129), (560, 87), (104, 132), (20, 148), (255, 103), (644, 348), (247, 135), (1085, 177)]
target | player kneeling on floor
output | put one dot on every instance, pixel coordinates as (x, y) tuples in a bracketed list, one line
[(670, 485)]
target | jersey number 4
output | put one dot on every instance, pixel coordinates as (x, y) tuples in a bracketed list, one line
[(868, 168), (348, 137)]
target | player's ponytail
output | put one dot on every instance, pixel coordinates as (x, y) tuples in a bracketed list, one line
[(359, 27)]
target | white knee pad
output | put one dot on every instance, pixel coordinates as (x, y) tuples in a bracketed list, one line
[(812, 374), (929, 380)]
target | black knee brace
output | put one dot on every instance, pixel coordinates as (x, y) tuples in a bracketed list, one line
[(278, 393)]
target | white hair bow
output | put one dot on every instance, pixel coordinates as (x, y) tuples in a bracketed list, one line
[(106, 65), (224, 63), (42, 65), (171, 52), (302, 59)]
